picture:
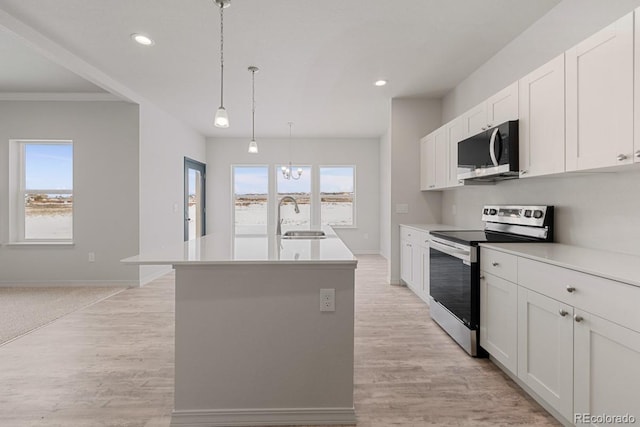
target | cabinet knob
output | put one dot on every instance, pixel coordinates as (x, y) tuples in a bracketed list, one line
[(483, 128), (621, 157), (563, 313), (638, 154), (524, 172), (481, 277), (571, 289), (578, 318), (495, 264), (489, 125)]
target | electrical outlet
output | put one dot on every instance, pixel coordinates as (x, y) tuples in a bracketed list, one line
[(92, 256), (328, 299)]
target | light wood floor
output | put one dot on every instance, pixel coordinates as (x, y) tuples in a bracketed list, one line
[(111, 364)]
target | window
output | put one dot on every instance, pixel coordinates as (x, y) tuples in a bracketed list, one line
[(299, 189), (337, 196), (44, 198), (250, 193)]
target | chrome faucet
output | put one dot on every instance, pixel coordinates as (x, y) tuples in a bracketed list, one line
[(285, 199)]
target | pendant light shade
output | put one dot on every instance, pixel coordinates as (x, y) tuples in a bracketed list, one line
[(222, 118), (253, 145)]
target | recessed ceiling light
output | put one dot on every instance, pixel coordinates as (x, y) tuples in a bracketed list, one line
[(380, 82), (142, 39)]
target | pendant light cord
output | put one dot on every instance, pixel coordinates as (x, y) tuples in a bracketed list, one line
[(221, 54), (253, 106)]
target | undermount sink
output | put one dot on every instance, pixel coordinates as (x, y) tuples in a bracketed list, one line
[(304, 234)]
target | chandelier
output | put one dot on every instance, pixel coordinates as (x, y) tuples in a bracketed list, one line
[(287, 171)]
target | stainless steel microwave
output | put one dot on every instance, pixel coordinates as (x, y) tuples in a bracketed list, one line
[(490, 155)]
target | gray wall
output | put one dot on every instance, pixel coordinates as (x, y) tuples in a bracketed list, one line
[(411, 119), (105, 143), (598, 210), (361, 152)]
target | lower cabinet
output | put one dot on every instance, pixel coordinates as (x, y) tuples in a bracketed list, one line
[(424, 263), (545, 349), (499, 319), (579, 363), (606, 366), (414, 261), (406, 261)]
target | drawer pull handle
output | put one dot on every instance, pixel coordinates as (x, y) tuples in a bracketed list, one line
[(571, 289), (481, 277), (621, 157), (578, 318), (563, 313), (495, 264)]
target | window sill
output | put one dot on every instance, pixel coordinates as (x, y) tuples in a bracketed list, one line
[(39, 244)]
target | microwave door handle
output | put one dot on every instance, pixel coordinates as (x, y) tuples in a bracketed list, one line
[(492, 146)]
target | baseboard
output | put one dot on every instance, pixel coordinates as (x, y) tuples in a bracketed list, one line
[(71, 284), (154, 275), (262, 417)]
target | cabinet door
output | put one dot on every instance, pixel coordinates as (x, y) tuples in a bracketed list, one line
[(607, 367), (454, 135), (636, 88), (474, 121), (499, 319), (503, 106), (430, 148), (600, 98), (424, 164), (424, 258), (406, 262), (416, 267), (541, 126), (441, 158), (545, 349)]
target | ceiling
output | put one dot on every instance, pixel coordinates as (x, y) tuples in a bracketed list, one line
[(317, 60)]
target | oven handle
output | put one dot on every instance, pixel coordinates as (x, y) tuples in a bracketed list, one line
[(456, 253)]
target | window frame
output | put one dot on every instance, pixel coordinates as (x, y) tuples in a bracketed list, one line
[(18, 192), (354, 223)]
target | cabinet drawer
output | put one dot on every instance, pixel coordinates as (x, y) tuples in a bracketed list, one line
[(615, 301), (499, 264), (407, 233), (422, 239)]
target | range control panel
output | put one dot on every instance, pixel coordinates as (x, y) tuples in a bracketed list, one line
[(531, 215)]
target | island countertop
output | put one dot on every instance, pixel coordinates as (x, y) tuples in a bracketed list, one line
[(250, 245)]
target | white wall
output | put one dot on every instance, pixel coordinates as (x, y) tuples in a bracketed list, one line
[(411, 119), (593, 210), (164, 142), (363, 153), (105, 145), (570, 22), (385, 195)]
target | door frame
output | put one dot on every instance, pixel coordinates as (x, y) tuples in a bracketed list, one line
[(199, 166)]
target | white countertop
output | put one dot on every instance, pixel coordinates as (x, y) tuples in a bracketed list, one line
[(251, 245), (610, 265), (431, 227)]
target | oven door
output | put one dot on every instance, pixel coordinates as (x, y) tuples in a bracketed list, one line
[(451, 279)]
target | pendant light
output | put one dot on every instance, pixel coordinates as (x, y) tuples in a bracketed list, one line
[(253, 145), (222, 119), (287, 171)]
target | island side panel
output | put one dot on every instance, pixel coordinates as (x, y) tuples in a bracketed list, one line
[(253, 336)]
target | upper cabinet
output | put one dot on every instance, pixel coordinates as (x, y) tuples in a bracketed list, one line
[(425, 171), (541, 125), (599, 82), (453, 131), (500, 108)]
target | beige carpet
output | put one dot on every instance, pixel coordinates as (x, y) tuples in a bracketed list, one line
[(24, 309)]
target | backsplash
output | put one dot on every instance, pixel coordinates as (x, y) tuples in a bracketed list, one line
[(594, 210)]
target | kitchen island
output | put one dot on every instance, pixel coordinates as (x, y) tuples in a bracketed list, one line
[(251, 344)]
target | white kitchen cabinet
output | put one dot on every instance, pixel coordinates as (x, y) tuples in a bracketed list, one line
[(606, 366), (454, 133), (503, 106), (434, 158), (499, 319), (542, 120), (636, 89), (599, 96), (406, 255), (416, 265), (545, 349), (497, 109), (425, 179), (424, 266)]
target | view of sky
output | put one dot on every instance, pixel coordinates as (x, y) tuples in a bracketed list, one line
[(49, 166), (254, 180)]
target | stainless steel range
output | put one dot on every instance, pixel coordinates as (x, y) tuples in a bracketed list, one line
[(455, 266)]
